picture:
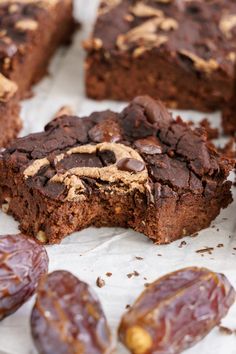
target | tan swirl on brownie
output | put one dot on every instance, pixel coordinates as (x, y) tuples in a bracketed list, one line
[(128, 170)]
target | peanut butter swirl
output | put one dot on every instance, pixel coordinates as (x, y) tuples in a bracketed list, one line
[(128, 170)]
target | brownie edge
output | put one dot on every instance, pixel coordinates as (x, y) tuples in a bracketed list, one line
[(10, 123), (138, 169)]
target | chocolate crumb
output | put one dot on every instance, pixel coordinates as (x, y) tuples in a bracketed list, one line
[(195, 234), (127, 306), (159, 255), (206, 250), (229, 149), (212, 133), (108, 274), (220, 245), (100, 282), (134, 274), (183, 243), (226, 330), (139, 258)]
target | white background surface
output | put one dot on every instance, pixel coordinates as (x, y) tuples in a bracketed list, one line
[(94, 252)]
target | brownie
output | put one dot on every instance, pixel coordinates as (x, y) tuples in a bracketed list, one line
[(10, 123), (138, 169), (30, 32), (182, 52)]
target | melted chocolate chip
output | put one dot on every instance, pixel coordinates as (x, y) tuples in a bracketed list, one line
[(79, 160), (149, 145), (130, 165), (107, 130)]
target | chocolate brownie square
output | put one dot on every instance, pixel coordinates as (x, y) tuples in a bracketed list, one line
[(137, 169), (30, 32), (10, 123), (182, 52)]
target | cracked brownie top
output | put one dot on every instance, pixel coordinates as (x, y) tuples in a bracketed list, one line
[(142, 148), (197, 34)]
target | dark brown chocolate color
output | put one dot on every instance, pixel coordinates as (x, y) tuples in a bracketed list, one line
[(30, 32), (68, 318), (22, 263), (176, 311), (154, 174), (182, 52)]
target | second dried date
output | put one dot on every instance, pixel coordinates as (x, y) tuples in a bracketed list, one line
[(68, 319), (176, 311)]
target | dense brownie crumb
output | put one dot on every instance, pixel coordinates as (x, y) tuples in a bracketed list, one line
[(212, 133), (182, 52), (139, 168), (30, 32)]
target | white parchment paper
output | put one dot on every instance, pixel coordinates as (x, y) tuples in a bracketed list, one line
[(94, 252)]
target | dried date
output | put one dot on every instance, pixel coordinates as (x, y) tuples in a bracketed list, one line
[(22, 262), (176, 311), (68, 318)]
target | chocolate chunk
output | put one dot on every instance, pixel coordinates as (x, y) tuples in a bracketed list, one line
[(155, 111), (130, 165), (107, 130), (149, 145), (79, 160)]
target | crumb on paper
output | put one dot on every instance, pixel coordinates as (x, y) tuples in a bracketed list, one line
[(100, 282), (226, 330), (133, 274), (220, 245), (208, 250), (183, 243)]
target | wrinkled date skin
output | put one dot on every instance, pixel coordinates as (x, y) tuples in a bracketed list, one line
[(176, 311), (22, 262), (67, 318)]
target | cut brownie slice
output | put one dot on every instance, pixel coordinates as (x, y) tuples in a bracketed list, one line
[(140, 169), (182, 52), (30, 31), (10, 123)]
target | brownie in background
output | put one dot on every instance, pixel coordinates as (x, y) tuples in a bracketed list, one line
[(182, 52), (30, 32)]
